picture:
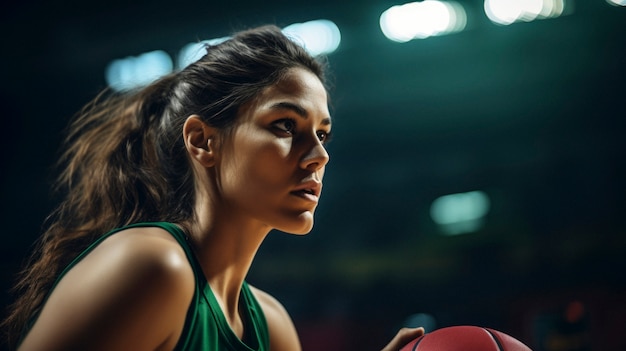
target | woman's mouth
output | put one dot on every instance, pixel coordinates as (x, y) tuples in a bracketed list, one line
[(310, 191)]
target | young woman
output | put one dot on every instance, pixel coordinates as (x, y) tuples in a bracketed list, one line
[(170, 192)]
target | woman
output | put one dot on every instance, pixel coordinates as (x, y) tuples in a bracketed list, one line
[(170, 192)]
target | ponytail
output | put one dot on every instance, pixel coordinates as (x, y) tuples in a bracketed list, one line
[(111, 176)]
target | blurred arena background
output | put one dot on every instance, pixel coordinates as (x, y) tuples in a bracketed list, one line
[(477, 170)]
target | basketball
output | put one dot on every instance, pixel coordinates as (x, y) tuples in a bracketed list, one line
[(465, 338)]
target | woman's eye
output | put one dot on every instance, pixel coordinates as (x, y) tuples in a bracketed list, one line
[(323, 136), (286, 125)]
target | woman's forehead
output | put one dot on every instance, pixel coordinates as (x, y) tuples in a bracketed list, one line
[(300, 91)]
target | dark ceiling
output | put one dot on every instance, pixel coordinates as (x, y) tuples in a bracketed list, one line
[(533, 114)]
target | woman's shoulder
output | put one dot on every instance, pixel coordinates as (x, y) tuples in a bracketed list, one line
[(149, 255), (136, 277), (150, 252), (283, 334), (151, 243)]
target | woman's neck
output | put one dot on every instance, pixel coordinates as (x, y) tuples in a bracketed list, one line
[(225, 247)]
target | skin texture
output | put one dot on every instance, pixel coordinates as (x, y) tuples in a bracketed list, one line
[(265, 174)]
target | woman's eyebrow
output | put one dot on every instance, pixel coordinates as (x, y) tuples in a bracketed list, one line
[(299, 110), (293, 107)]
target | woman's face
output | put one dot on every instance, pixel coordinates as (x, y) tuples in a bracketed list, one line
[(271, 169)]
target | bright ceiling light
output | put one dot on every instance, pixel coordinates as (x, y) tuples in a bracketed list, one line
[(506, 12), (617, 2), (419, 20), (319, 37)]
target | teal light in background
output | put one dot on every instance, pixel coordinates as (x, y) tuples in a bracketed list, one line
[(135, 71), (192, 52), (460, 213), (506, 12), (420, 20), (318, 37), (424, 320)]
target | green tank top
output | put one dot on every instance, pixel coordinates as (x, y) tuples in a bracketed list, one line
[(206, 328)]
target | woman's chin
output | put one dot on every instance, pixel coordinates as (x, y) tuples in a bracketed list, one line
[(302, 226), (303, 230), (293, 221)]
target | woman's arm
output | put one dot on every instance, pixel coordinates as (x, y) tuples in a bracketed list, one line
[(132, 292)]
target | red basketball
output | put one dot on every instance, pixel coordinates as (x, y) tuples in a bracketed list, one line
[(465, 338)]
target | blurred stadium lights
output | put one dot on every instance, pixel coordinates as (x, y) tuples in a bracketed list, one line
[(318, 37), (132, 72), (617, 2), (460, 213), (192, 52), (420, 20), (506, 12)]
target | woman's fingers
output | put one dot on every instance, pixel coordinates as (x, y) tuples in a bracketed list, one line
[(403, 337)]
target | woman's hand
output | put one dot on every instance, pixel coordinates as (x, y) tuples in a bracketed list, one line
[(404, 336)]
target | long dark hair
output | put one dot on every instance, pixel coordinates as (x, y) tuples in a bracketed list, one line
[(125, 160)]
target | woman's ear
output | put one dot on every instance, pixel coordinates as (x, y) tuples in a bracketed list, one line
[(200, 140)]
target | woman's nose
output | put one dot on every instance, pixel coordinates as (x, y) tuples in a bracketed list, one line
[(316, 158)]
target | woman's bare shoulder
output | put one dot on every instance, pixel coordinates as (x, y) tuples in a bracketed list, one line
[(283, 334), (147, 252), (152, 243), (136, 278)]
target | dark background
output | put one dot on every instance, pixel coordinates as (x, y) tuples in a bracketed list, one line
[(532, 114)]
